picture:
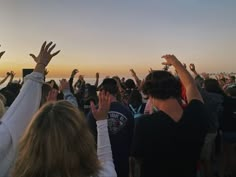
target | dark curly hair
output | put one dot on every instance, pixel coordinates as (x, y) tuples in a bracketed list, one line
[(161, 85)]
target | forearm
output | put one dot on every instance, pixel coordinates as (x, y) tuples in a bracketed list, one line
[(25, 105), (137, 80), (188, 81), (2, 81), (71, 80), (96, 82), (11, 79), (104, 151), (40, 68)]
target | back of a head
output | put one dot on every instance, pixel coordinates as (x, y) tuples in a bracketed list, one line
[(109, 85), (130, 84), (212, 85), (135, 98), (57, 142), (161, 85)]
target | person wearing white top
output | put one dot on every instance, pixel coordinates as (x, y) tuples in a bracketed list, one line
[(17, 117), (42, 151)]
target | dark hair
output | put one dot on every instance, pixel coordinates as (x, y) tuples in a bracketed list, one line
[(109, 85), (161, 85), (212, 85), (231, 91), (130, 84), (135, 98)]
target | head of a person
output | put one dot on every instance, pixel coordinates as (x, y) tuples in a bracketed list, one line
[(110, 85), (212, 85), (161, 85), (135, 98), (130, 84), (57, 143)]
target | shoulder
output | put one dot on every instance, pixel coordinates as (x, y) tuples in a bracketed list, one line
[(119, 107), (195, 104)]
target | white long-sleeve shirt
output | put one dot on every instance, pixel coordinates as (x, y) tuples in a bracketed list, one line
[(104, 152), (16, 119), (18, 116)]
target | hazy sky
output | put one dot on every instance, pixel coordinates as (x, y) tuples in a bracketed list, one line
[(112, 36)]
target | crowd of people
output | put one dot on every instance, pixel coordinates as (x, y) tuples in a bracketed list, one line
[(180, 124)]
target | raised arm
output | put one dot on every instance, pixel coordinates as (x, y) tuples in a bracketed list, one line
[(1, 53), (187, 80), (97, 80), (5, 78), (68, 96), (199, 80), (104, 151), (21, 111), (12, 75), (137, 80)]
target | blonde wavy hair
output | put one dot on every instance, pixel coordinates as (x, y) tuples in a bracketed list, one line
[(57, 143)]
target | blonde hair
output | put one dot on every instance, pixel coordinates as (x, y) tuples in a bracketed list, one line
[(57, 143), (2, 108)]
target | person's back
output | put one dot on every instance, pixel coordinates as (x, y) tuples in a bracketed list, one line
[(120, 127), (167, 143), (172, 148)]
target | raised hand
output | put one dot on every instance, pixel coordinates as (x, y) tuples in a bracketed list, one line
[(74, 72), (97, 75), (52, 95), (12, 73), (104, 103), (64, 84), (45, 56), (170, 59), (1, 53), (192, 67), (132, 72), (46, 72)]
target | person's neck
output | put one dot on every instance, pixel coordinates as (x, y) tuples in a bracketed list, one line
[(171, 107), (113, 98)]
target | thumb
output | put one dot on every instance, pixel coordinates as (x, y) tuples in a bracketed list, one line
[(33, 56)]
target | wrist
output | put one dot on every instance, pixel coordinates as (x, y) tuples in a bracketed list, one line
[(40, 63)]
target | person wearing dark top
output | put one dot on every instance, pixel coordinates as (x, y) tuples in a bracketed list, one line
[(168, 142), (120, 127)]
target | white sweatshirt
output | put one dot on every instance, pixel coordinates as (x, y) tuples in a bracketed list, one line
[(18, 116), (16, 119)]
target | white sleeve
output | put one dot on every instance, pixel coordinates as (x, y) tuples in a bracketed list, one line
[(104, 150), (17, 117)]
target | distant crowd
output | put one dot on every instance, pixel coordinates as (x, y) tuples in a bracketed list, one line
[(180, 124)]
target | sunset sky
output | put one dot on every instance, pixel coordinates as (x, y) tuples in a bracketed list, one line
[(112, 36)]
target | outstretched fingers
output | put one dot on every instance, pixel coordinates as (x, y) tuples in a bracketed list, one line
[(101, 112), (1, 53), (43, 46), (54, 54)]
